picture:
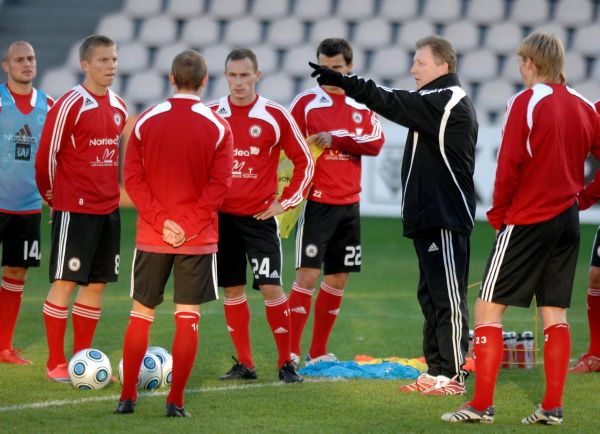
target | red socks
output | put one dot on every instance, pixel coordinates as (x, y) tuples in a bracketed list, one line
[(299, 302), (488, 348), (85, 319), (237, 316), (55, 318), (135, 344), (11, 294), (593, 310), (185, 347), (278, 316), (327, 308), (557, 350)]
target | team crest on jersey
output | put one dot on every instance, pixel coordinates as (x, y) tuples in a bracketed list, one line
[(311, 250), (357, 117), (255, 131), (118, 119), (74, 264)]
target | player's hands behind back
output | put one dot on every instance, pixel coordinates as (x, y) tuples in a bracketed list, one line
[(173, 234)]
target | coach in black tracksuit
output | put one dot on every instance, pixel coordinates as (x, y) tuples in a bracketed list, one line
[(438, 202)]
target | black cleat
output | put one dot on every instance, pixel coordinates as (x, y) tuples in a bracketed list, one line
[(239, 371), (288, 374), (125, 406), (173, 411)]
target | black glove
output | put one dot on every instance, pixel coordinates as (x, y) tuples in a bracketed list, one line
[(326, 76)]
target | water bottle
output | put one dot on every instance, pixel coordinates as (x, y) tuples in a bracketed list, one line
[(512, 350), (470, 350), (529, 350), (520, 350), (506, 353)]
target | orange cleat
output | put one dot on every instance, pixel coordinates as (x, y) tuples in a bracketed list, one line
[(59, 373), (12, 356)]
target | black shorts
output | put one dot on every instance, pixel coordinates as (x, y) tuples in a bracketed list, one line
[(595, 260), (245, 236), (537, 259), (194, 278), (20, 238), (85, 247), (329, 235)]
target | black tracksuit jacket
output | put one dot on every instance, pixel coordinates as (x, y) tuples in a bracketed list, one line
[(439, 156)]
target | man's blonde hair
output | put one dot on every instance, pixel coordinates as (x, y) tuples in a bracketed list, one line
[(547, 53)]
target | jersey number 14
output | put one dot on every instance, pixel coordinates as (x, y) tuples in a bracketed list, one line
[(33, 251)]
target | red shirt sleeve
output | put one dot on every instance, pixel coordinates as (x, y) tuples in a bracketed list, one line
[(591, 193), (134, 175), (297, 151), (297, 112), (214, 192), (512, 152), (369, 142), (57, 131)]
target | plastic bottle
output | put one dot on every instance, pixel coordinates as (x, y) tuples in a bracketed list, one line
[(506, 353), (520, 350), (512, 350), (470, 350), (529, 350)]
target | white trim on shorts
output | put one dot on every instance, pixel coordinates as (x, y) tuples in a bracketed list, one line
[(489, 284)]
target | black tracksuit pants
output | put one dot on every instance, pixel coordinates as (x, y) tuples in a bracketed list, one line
[(442, 293)]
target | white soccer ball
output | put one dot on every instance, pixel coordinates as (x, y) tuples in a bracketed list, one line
[(89, 369), (150, 375), (166, 360)]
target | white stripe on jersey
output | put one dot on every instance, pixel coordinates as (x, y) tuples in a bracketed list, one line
[(375, 134), (57, 132), (297, 197)]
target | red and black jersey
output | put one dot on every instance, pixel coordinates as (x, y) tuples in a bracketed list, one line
[(355, 131), (178, 167), (78, 156), (260, 131), (549, 131)]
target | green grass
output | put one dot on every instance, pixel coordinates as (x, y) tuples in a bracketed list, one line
[(380, 316)]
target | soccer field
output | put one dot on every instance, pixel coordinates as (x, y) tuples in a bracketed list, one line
[(380, 316)]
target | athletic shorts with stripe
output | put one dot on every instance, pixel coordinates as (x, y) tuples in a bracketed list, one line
[(534, 260), (329, 235), (20, 238), (595, 259), (195, 278), (85, 247), (241, 236)]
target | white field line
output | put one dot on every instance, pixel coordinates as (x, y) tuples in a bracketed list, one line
[(63, 402)]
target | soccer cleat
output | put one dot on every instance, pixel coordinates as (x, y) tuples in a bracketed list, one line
[(445, 386), (12, 356), (295, 360), (423, 382), (173, 411), (125, 406), (329, 357), (545, 417), (470, 415), (239, 371), (59, 373), (586, 363), (288, 374)]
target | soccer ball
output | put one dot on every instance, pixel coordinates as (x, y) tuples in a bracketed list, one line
[(166, 362), (150, 375), (89, 369)]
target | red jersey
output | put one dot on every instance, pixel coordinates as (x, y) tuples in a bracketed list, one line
[(178, 167), (355, 131), (261, 130), (591, 193), (26, 103), (78, 156), (549, 131)]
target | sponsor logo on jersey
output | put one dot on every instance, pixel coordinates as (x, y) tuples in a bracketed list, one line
[(118, 119), (88, 102), (255, 131), (23, 139), (254, 150), (222, 111), (433, 248), (74, 264), (323, 99), (357, 117), (105, 141), (311, 250)]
